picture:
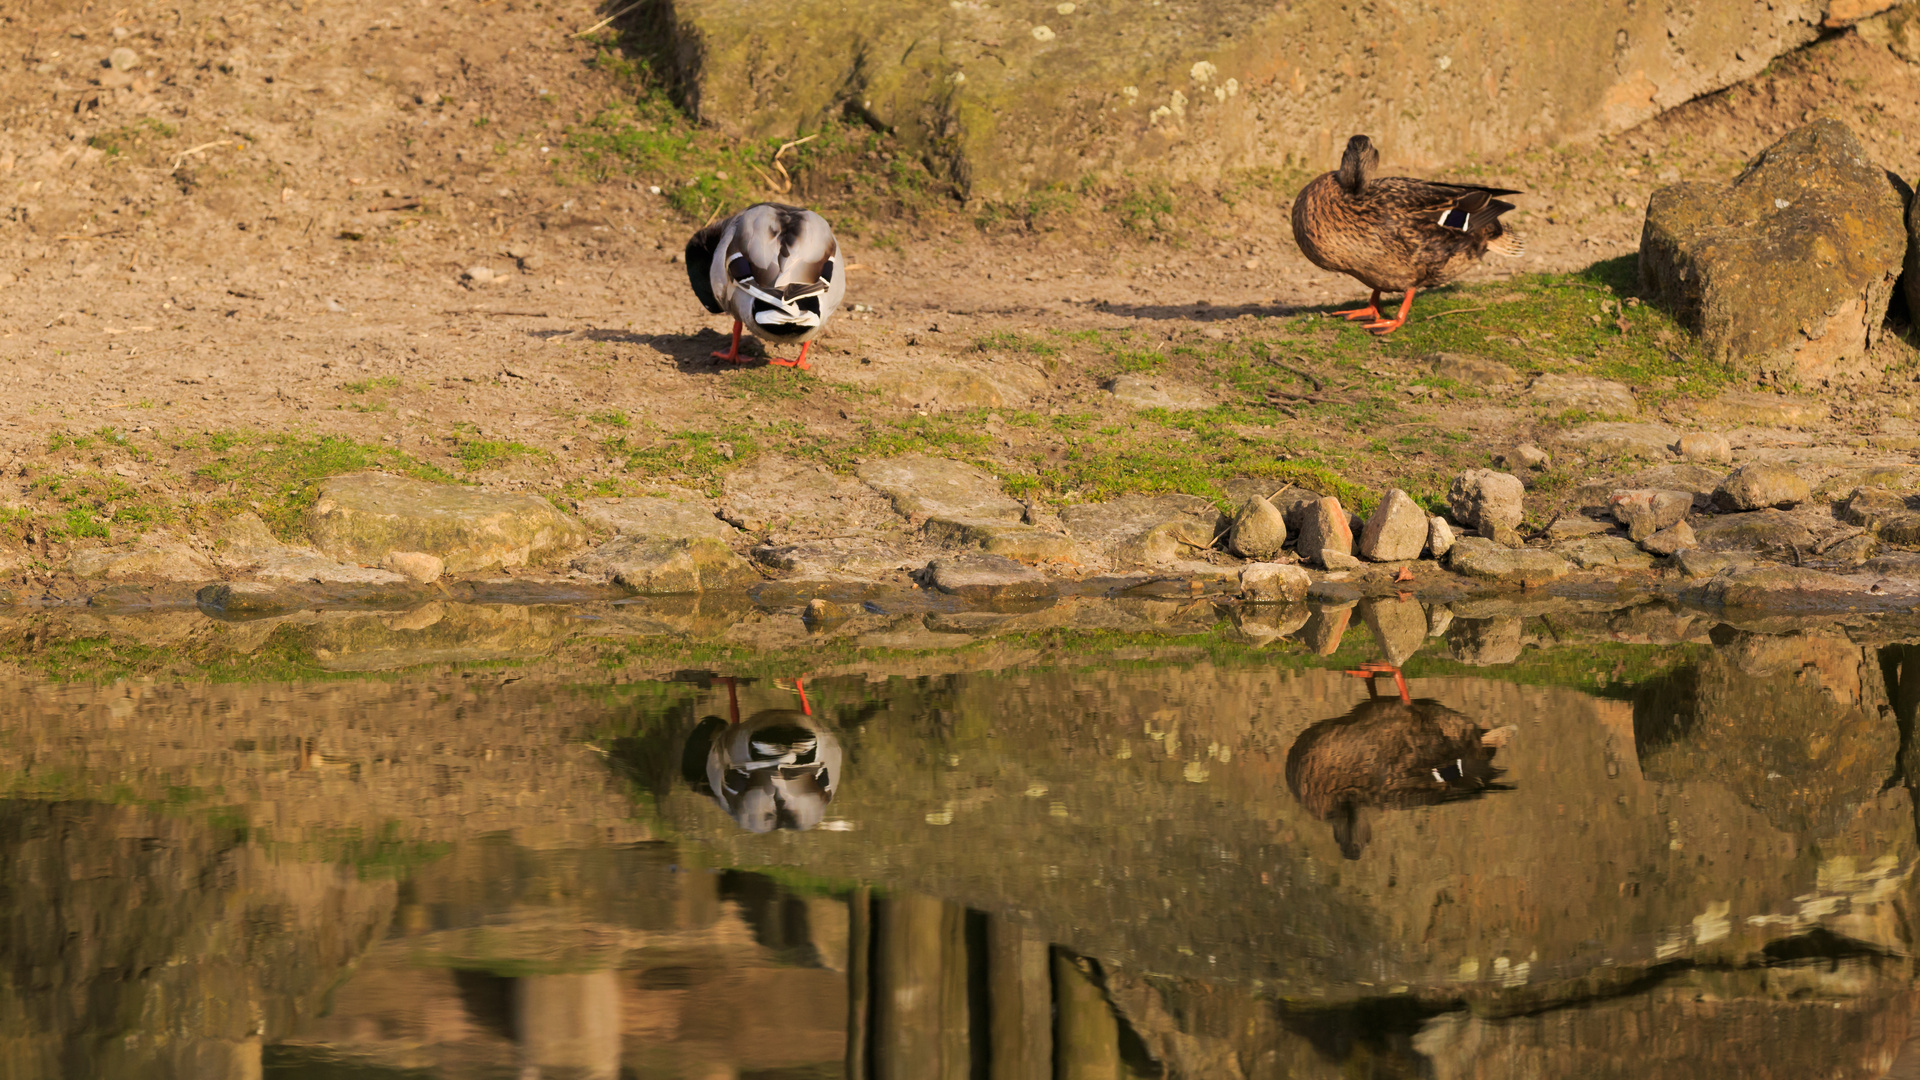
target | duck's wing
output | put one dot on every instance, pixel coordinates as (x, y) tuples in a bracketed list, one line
[(1455, 207), (782, 256), (700, 252)]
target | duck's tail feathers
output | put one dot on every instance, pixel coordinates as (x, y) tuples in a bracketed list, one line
[(1508, 245), (700, 251)]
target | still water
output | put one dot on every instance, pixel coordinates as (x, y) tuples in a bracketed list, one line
[(1589, 858)]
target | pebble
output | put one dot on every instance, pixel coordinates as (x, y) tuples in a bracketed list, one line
[(123, 58)]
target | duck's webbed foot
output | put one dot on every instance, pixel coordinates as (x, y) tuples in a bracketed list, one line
[(732, 355), (799, 362), (1371, 311), (1383, 327), (1381, 667)]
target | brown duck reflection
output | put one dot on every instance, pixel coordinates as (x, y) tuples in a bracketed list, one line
[(777, 769), (1393, 753)]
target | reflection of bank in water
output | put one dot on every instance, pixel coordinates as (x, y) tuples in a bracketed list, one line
[(1391, 753), (778, 769)]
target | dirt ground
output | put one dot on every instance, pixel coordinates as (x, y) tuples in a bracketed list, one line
[(261, 223)]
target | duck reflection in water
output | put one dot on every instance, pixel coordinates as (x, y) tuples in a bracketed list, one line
[(777, 769), (1393, 753)]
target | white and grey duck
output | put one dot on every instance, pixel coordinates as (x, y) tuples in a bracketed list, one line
[(777, 269)]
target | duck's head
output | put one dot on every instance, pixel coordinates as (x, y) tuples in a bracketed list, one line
[(1357, 165)]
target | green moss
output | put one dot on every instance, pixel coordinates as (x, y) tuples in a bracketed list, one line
[(274, 474), (141, 132), (478, 454), (368, 386)]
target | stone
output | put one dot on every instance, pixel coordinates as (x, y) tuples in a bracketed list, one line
[(1854, 550), (1575, 526), (677, 516), (923, 487), (1482, 499), (1439, 536), (1157, 392), (1899, 30), (364, 517), (927, 383), (1335, 559), (1599, 396), (155, 557), (1889, 516), (1038, 99), (836, 559), (416, 566), (1778, 587), (1263, 624), (1013, 540), (1605, 553), (1771, 531), (1611, 439), (1477, 557), (1790, 267), (1145, 530), (987, 577), (1485, 642), (1760, 485), (1396, 531), (1524, 456), (1471, 370), (1646, 511), (1671, 540), (1439, 618), (1270, 581), (1704, 446), (244, 547), (1399, 626), (792, 500), (1744, 408), (248, 598), (822, 614), (1323, 629), (652, 566), (1258, 532), (1323, 528)]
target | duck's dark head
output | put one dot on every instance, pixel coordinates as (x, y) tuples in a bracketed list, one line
[(1357, 165)]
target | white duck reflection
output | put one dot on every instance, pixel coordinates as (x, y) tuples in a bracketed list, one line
[(778, 769)]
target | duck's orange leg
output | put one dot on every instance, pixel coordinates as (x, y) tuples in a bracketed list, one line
[(805, 708), (1388, 326), (733, 697), (800, 362), (1380, 667), (1371, 311), (733, 351)]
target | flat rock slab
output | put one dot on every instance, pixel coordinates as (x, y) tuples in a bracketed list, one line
[(1791, 266), (244, 548), (655, 566), (1588, 395), (1740, 408), (923, 487), (922, 382), (987, 577), (1145, 530), (249, 598), (1150, 392), (1608, 438), (154, 558), (1011, 539), (1476, 557), (1778, 587), (677, 516), (836, 559), (793, 500), (1892, 517), (1773, 531), (365, 517), (1471, 370), (1605, 553)]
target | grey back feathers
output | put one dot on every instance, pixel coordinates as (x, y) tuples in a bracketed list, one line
[(776, 268)]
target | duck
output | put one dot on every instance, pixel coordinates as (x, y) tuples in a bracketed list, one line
[(777, 769), (777, 269), (1391, 752), (1396, 233)]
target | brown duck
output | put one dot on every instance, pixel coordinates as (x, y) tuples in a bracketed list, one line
[(1390, 752), (1394, 232)]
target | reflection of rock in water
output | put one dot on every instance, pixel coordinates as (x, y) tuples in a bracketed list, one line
[(139, 945), (1390, 754), (1797, 727), (776, 770)]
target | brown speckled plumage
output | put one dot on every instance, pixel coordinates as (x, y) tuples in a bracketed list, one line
[(1386, 753), (1395, 233)]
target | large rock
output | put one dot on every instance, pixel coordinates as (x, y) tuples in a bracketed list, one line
[(1397, 531), (1603, 396), (1646, 511), (1704, 446), (1477, 557), (245, 549), (1259, 531), (1011, 539), (1485, 500), (1605, 553), (1771, 531), (1790, 267), (1010, 98), (680, 515), (1274, 581), (1671, 540), (365, 517), (987, 577), (1399, 626), (1891, 517), (1485, 642), (795, 500), (654, 566), (846, 558), (1145, 530), (923, 487), (1758, 486), (157, 557), (1324, 529), (1615, 438)]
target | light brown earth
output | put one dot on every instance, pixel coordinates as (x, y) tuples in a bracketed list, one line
[(261, 226)]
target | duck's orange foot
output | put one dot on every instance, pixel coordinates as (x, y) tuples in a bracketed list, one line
[(1383, 327), (1371, 311), (798, 361), (733, 356)]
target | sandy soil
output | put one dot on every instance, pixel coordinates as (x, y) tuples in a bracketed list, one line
[(201, 276)]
